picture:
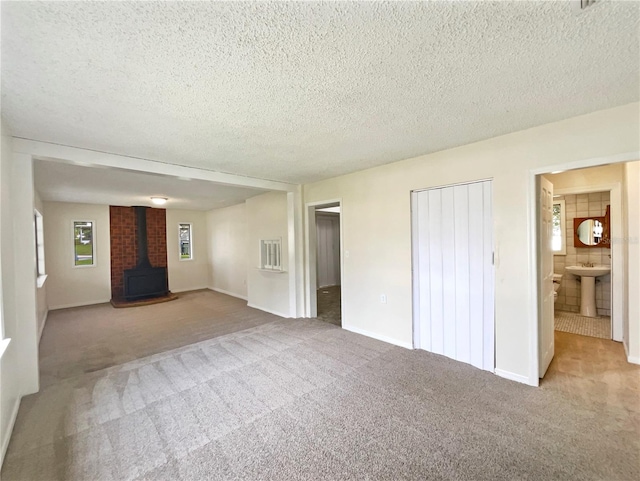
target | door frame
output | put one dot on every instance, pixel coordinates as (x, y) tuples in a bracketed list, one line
[(310, 242), (617, 261)]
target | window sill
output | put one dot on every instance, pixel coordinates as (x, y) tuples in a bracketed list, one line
[(276, 271), (40, 280)]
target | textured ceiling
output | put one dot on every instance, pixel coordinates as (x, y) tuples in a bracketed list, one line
[(298, 92), (62, 182)]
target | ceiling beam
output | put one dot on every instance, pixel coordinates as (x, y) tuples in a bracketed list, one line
[(64, 153)]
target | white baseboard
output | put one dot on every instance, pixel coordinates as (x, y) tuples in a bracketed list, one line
[(379, 337), (7, 436), (268, 310), (44, 321), (79, 304), (189, 289), (512, 376), (630, 359), (229, 293)]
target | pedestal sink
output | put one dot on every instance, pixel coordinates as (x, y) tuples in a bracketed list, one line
[(588, 286)]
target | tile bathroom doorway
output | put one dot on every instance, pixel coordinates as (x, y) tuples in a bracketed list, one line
[(607, 183), (577, 205)]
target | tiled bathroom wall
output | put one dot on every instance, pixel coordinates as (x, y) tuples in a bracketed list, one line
[(582, 205)]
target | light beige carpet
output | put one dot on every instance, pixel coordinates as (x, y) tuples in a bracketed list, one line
[(585, 326), (303, 399), (86, 339)]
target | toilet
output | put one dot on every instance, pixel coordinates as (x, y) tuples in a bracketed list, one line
[(556, 285)]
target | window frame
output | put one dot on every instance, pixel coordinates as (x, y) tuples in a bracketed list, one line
[(190, 258), (94, 258), (270, 254), (38, 224), (563, 228)]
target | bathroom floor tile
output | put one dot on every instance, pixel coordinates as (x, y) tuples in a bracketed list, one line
[(585, 326)]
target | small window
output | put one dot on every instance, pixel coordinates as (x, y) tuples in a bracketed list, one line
[(270, 254), (186, 247), (558, 241), (83, 246), (39, 244)]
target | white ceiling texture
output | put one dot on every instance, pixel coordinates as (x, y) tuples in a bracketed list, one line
[(298, 92)]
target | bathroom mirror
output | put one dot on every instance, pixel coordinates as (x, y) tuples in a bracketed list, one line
[(591, 231)]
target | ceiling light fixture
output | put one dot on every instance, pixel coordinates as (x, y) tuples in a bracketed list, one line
[(159, 200)]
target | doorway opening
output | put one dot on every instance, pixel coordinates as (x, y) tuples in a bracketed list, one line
[(582, 303), (324, 261), (581, 252)]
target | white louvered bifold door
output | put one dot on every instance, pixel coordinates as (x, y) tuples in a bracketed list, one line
[(453, 273)]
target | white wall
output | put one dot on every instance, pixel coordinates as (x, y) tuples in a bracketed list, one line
[(41, 292), (70, 286), (22, 196), (267, 219), (377, 218), (67, 285), (10, 391), (187, 275), (227, 232), (19, 362), (631, 336)]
